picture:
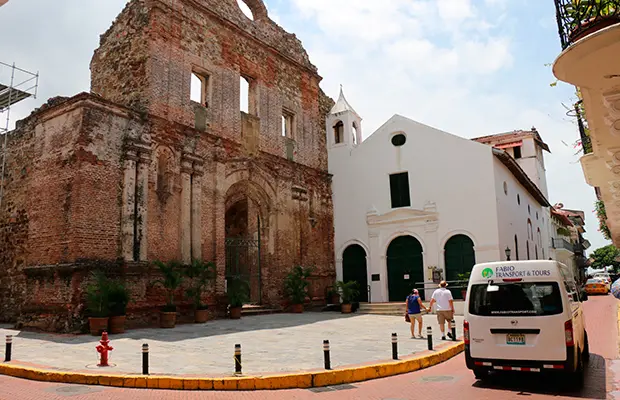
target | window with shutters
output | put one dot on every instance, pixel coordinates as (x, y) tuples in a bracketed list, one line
[(399, 190)]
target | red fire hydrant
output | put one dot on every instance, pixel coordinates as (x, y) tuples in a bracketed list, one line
[(103, 349)]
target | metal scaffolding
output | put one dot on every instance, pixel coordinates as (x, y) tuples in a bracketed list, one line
[(22, 85)]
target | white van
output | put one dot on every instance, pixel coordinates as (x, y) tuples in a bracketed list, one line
[(525, 316)]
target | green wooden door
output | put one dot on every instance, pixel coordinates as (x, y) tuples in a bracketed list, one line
[(460, 258), (354, 269), (405, 267)]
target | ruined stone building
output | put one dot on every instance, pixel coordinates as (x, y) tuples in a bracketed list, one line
[(143, 168)]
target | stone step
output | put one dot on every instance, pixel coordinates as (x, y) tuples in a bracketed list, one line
[(250, 310)]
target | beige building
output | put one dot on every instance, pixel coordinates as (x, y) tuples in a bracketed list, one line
[(590, 37)]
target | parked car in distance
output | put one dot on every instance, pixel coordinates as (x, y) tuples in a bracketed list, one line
[(596, 286), (605, 277)]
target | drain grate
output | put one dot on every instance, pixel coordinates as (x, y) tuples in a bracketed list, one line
[(332, 388), (439, 378), (73, 390)]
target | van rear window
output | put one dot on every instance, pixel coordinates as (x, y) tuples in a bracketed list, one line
[(516, 299)]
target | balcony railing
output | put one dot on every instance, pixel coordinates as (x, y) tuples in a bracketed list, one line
[(578, 18), (562, 244)]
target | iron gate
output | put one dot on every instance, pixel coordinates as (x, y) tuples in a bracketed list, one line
[(243, 262)]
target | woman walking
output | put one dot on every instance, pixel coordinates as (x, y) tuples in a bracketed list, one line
[(413, 307)]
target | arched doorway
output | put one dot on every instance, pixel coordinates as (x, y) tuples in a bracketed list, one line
[(354, 269), (243, 244), (405, 267), (460, 258)]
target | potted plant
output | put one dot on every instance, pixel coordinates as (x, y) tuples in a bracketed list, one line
[(348, 292), (171, 281), (201, 274), (237, 295), (463, 281), (97, 303), (296, 287), (118, 298), (589, 16), (333, 297)]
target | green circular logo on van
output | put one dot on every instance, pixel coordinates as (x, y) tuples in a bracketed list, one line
[(487, 273)]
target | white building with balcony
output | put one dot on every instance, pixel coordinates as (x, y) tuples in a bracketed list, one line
[(413, 204)]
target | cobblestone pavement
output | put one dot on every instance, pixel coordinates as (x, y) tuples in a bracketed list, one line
[(450, 380), (270, 343)]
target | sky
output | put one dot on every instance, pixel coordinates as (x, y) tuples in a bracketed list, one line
[(468, 67)]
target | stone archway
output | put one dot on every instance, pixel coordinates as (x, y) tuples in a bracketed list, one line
[(247, 217), (460, 258), (354, 269), (405, 267)]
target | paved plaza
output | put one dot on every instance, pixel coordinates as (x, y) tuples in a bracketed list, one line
[(270, 344)]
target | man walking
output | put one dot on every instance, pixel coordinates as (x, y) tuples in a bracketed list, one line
[(445, 308)]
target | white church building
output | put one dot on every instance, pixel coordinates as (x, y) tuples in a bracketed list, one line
[(413, 204)]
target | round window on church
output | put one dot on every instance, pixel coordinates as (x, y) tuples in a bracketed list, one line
[(399, 140)]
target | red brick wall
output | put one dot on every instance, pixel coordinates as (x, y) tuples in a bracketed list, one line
[(62, 216)]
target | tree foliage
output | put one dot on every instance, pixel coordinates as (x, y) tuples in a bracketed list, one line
[(605, 257)]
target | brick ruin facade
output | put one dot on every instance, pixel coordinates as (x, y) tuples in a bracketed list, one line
[(135, 171)]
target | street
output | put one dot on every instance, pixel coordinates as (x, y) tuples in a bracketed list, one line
[(449, 380)]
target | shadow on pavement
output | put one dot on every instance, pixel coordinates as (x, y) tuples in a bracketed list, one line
[(555, 385), (182, 332)]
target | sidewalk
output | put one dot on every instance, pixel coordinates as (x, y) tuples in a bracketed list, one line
[(270, 344)]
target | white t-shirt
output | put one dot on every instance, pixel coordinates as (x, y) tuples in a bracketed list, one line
[(442, 297)]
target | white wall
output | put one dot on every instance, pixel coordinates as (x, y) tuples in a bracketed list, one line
[(455, 174), (513, 217)]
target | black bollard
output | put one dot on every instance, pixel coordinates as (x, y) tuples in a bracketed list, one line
[(394, 347), (238, 359), (145, 359), (9, 345), (328, 363), (453, 322), (429, 334)]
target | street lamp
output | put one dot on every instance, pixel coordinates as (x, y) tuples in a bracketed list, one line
[(507, 251)]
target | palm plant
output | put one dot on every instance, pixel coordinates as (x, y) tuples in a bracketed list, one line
[(348, 291), (118, 296), (172, 279), (201, 273), (97, 295), (296, 284), (237, 292)]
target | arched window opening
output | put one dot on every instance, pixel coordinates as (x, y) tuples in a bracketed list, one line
[(339, 132), (516, 248), (354, 125), (530, 232), (527, 249), (536, 249), (245, 9)]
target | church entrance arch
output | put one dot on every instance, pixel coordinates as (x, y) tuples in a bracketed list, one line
[(405, 267), (460, 258), (354, 269)]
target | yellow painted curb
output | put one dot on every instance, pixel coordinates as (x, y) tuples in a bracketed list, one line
[(286, 381)]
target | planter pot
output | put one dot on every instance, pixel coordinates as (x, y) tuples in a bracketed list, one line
[(345, 308), (592, 26), (463, 294), (334, 299), (167, 319), (297, 308), (117, 324), (98, 325), (235, 312), (201, 316)]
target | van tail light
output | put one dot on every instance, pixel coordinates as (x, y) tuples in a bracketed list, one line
[(466, 332), (568, 334)]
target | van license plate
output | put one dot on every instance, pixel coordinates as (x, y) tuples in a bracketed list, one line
[(513, 339)]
